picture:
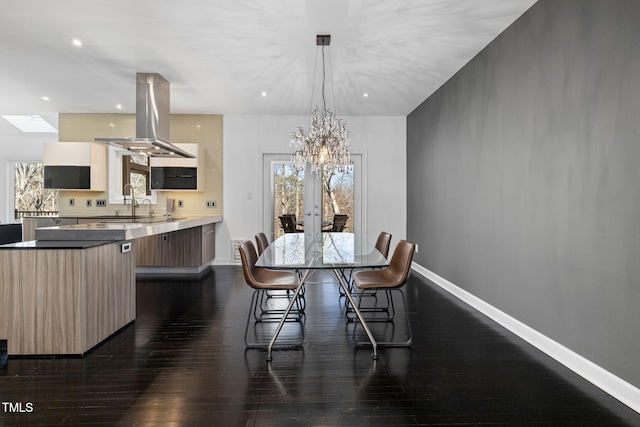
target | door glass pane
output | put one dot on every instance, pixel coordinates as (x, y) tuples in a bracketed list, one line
[(288, 194), (30, 196), (312, 197), (338, 196)]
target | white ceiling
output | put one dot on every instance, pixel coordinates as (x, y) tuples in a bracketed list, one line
[(219, 55)]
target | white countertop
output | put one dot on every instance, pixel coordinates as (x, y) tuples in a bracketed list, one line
[(107, 230)]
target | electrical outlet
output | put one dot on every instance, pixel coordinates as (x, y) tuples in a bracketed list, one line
[(101, 203), (180, 204), (88, 203), (72, 202), (211, 203), (416, 248)]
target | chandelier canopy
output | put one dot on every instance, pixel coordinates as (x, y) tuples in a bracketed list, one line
[(325, 145)]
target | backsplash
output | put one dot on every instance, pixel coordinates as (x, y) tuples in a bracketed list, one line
[(203, 129)]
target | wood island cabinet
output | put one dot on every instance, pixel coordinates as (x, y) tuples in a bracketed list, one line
[(191, 247), (66, 299), (208, 243)]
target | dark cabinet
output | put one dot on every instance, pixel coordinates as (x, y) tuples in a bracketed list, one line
[(67, 177), (174, 178), (177, 173)]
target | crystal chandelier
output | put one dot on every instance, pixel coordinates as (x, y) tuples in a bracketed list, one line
[(325, 145)]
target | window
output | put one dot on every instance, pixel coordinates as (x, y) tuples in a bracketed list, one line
[(136, 171), (30, 196), (117, 176)]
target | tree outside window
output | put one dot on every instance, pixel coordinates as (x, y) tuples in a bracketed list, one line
[(31, 198), (337, 194)]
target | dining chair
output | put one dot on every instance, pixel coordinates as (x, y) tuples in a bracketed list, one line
[(339, 222), (288, 222), (261, 242), (262, 280), (389, 279), (382, 245)]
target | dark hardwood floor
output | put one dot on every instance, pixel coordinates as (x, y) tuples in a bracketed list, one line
[(183, 363)]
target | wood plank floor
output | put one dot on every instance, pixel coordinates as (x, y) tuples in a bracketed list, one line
[(183, 363)]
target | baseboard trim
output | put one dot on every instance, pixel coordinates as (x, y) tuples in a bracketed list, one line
[(605, 380)]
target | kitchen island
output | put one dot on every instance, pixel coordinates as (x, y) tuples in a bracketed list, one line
[(73, 287), (65, 297), (164, 245)]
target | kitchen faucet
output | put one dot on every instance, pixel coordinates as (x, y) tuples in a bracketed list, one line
[(150, 208), (133, 199)]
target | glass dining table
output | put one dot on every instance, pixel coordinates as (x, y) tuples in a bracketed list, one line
[(335, 252)]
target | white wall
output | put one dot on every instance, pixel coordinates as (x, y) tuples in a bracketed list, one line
[(381, 140)]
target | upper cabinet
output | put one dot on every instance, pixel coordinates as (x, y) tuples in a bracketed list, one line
[(179, 173), (75, 166)]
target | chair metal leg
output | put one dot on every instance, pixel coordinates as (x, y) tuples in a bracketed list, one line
[(258, 296), (285, 315), (267, 295), (371, 293), (389, 319), (372, 340)]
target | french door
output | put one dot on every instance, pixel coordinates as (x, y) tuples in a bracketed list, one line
[(314, 198)]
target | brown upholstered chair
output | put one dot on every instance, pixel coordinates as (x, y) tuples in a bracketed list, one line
[(261, 242), (383, 243), (263, 280), (391, 278)]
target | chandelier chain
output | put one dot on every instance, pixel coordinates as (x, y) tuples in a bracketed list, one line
[(325, 145)]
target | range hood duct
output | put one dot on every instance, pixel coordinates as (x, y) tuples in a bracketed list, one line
[(152, 120)]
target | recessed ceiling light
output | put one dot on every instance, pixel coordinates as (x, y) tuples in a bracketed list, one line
[(31, 124), (45, 98), (365, 95), (76, 42), (119, 106), (264, 94)]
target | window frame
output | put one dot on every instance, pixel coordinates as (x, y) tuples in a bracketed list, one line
[(129, 167), (115, 178)]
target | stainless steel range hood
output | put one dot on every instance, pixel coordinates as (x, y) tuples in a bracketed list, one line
[(152, 120)]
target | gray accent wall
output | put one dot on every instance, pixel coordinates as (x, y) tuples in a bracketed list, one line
[(523, 177)]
